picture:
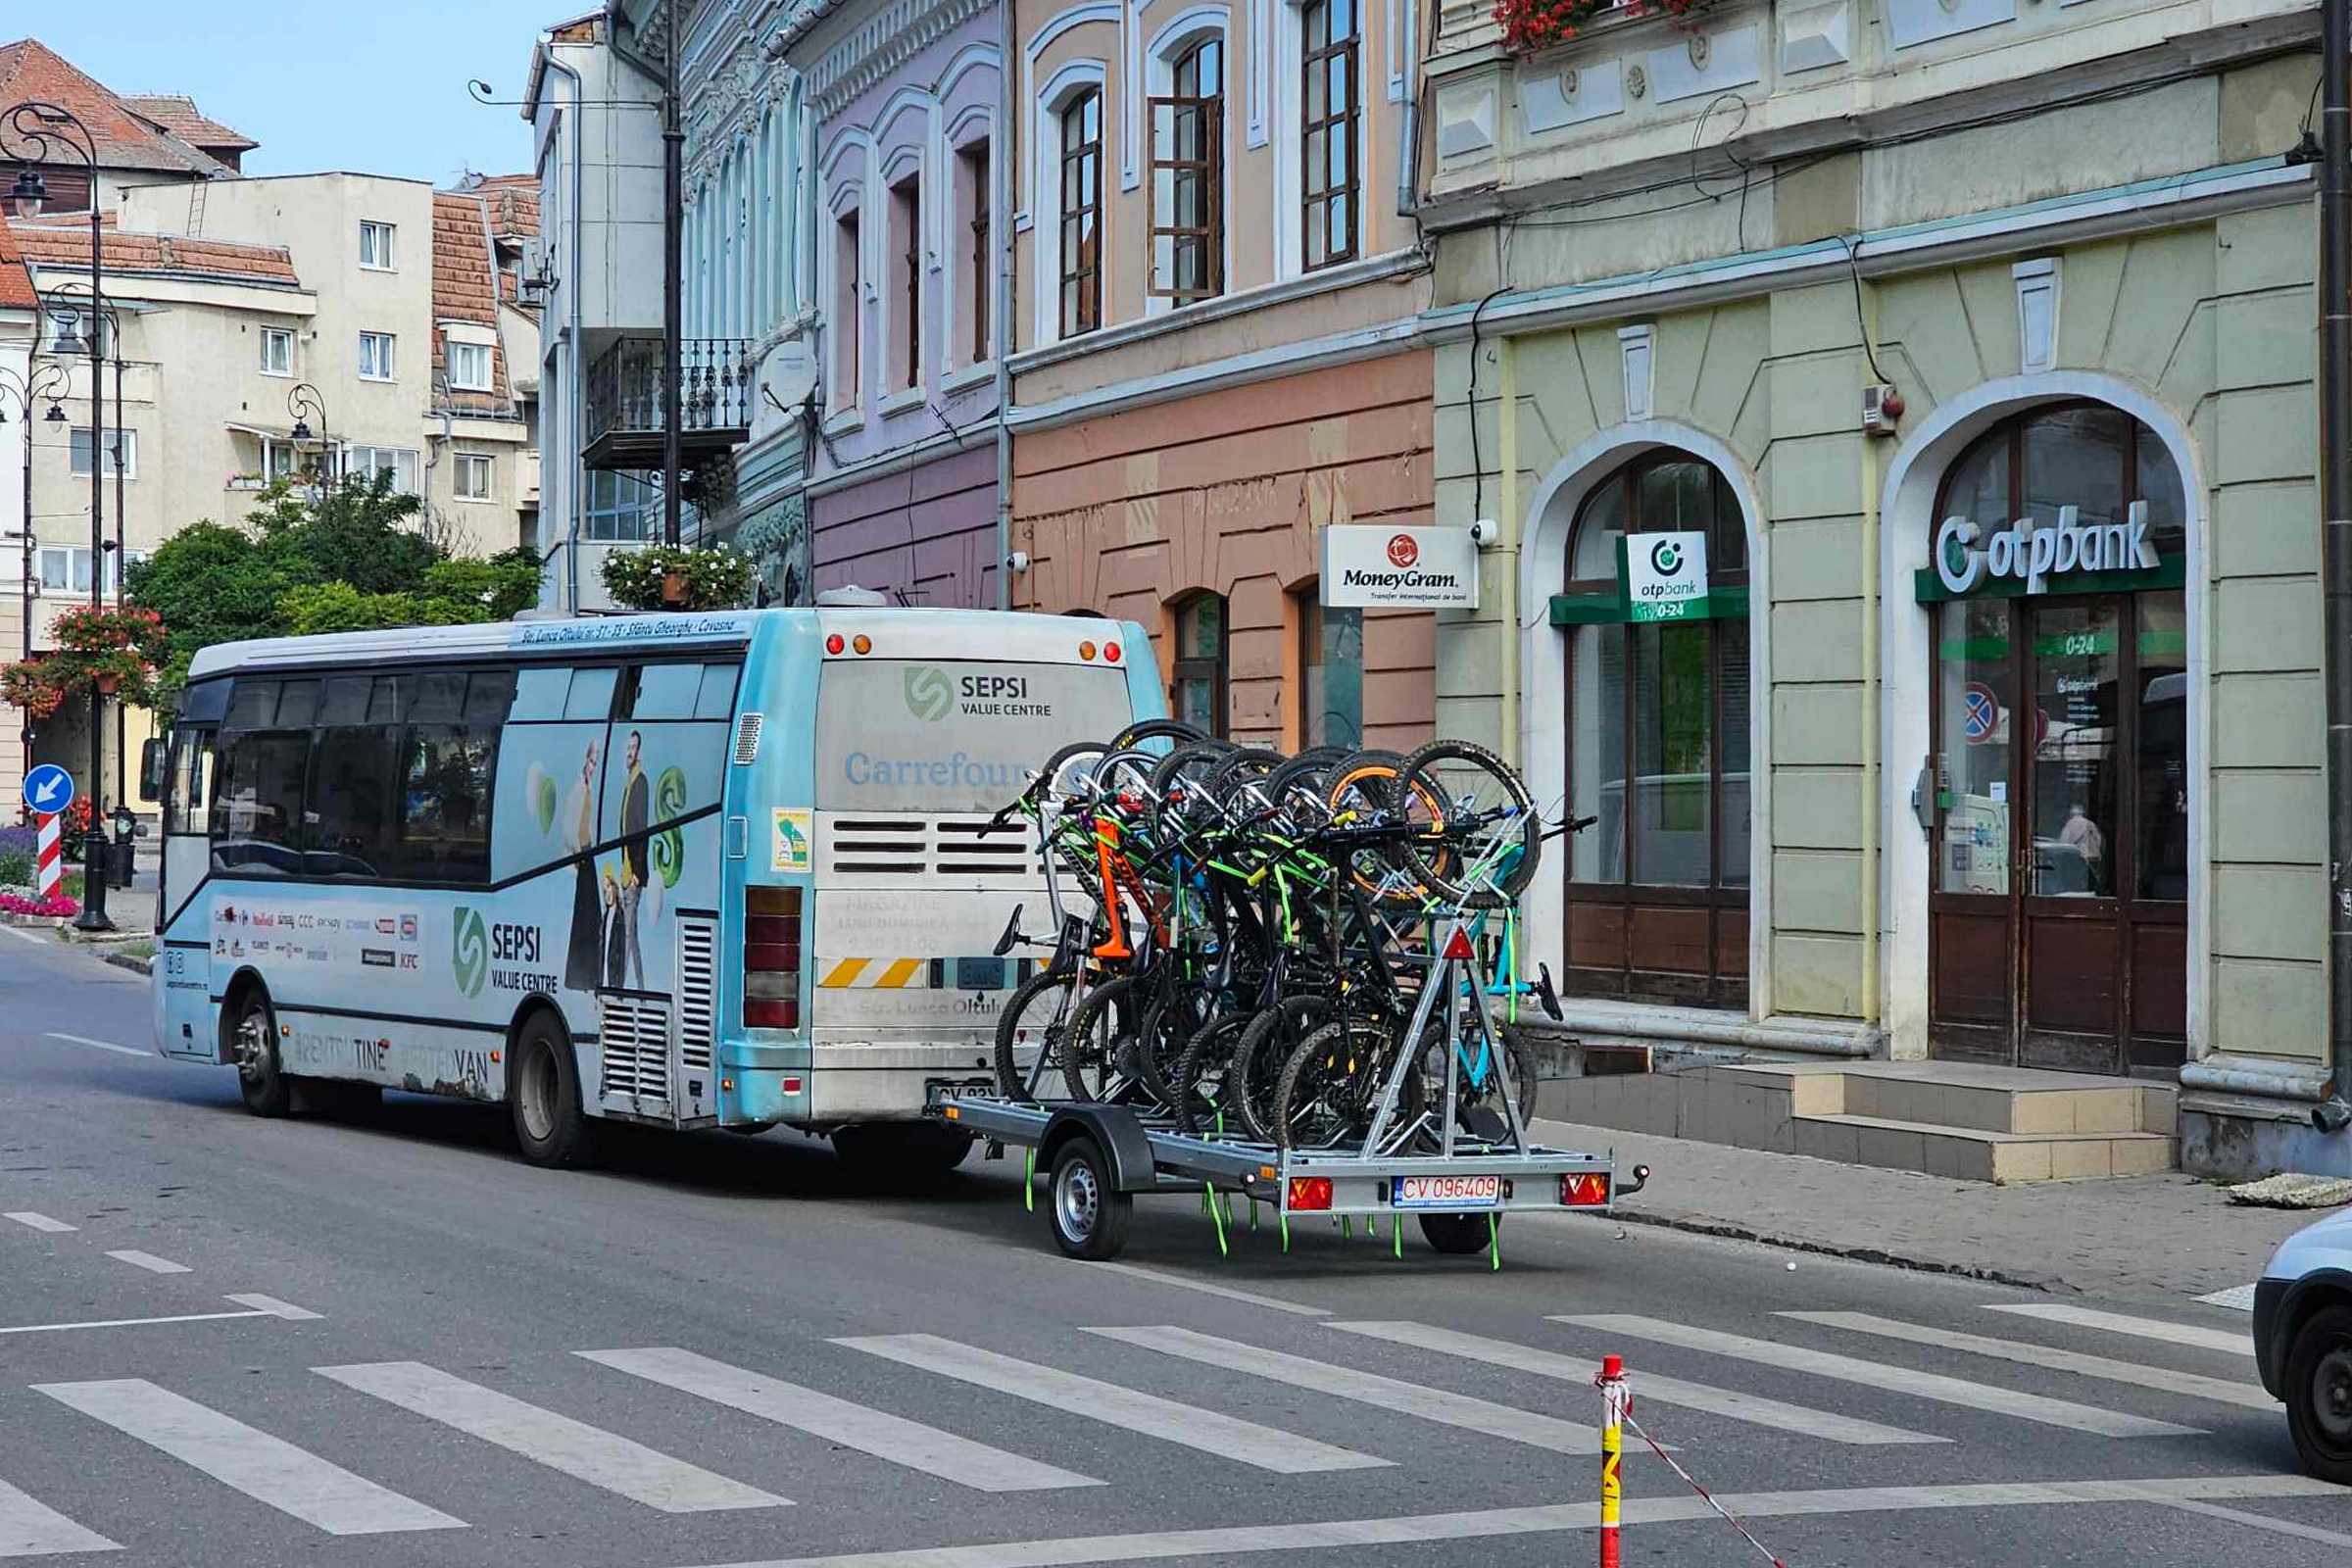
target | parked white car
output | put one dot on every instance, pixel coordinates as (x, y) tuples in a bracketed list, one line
[(2303, 1341)]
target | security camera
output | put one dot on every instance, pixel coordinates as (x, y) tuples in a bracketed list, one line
[(1485, 531), (1017, 562)]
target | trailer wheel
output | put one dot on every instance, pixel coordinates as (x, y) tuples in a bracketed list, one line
[(1089, 1217), (1459, 1234)]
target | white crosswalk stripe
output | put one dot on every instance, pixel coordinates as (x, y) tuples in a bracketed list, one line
[(1791, 1418), (2248, 1395), (29, 1529), (2230, 1341), (578, 1449), (1245, 1441), (1365, 1388), (267, 1469), (1878, 1375), (853, 1425)]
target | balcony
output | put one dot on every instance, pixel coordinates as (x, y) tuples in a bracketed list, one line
[(716, 384)]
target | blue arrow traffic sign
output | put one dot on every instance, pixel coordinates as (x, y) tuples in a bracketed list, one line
[(48, 788)]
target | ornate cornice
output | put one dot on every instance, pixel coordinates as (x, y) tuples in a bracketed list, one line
[(885, 41)]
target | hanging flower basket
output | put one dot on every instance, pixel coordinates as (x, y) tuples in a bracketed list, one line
[(673, 587), (1532, 25), (106, 681), (667, 577), (112, 651)]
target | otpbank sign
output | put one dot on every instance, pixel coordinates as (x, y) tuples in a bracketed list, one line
[(1666, 576), (1367, 566)]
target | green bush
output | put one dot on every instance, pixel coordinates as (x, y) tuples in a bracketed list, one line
[(16, 868)]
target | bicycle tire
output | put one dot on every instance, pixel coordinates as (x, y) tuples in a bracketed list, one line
[(1169, 1023), (1200, 1075), (1012, 1083), (1343, 1067), (1048, 776), (1107, 1004), (1478, 1101), (1363, 789), (1483, 873), (1157, 729), (1256, 1072)]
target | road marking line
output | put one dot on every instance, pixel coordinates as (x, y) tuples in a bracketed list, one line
[(267, 1469), (271, 1306), (39, 1222), (128, 1322), (839, 1421), (1155, 1277), (96, 1045), (2230, 1341), (1365, 1388), (1739, 1406), (1283, 1453), (584, 1452), (1487, 1523), (2247, 1395), (149, 1262), (27, 1529), (1876, 1375), (2237, 1298), (2264, 1521), (25, 936)]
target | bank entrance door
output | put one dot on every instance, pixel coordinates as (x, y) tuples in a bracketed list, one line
[(2058, 902)]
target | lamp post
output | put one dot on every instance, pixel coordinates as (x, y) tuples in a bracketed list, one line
[(42, 128), (303, 404), (106, 326), (38, 382)]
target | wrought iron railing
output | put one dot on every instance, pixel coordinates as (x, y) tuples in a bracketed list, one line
[(714, 387)]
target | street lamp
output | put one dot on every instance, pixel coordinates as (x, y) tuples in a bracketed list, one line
[(42, 129), (106, 333), (305, 403), (41, 381)]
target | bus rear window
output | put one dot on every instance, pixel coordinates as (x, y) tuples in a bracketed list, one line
[(903, 735)]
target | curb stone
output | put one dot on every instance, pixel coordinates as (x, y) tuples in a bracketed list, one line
[(1700, 1225), (131, 962)]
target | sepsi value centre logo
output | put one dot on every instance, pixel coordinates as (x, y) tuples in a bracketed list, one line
[(470, 950), (929, 693)]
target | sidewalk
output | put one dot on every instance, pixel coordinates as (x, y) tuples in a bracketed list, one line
[(2140, 1236)]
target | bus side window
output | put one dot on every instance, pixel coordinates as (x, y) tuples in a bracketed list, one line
[(539, 693), (189, 802), (716, 697), (659, 691), (591, 696)]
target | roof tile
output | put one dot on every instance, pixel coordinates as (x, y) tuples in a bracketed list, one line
[(52, 244), (126, 139)]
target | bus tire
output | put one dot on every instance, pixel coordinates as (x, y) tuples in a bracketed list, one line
[(1089, 1215), (252, 1026), (543, 1096)]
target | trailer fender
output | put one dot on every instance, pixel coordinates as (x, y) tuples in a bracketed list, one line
[(1115, 1131)]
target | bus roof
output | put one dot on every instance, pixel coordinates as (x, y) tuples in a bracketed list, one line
[(931, 634)]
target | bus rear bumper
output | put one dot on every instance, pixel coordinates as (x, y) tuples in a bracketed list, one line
[(888, 1082)]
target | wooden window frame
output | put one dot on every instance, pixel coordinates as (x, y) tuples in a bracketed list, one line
[(1315, 199), (1216, 671), (1074, 213), (907, 200), (976, 163), (1208, 235)]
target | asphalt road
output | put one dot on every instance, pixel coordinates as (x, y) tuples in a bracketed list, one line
[(330, 1343)]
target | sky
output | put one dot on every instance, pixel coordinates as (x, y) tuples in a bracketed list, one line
[(375, 86)]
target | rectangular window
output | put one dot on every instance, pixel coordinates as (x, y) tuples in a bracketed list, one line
[(1188, 177), (1201, 672), (1328, 172), (279, 459), (375, 356), (472, 476), (354, 790), (1331, 676), (906, 267), (469, 366), (258, 798), (848, 312), (400, 462), (277, 351), (190, 805), (65, 569), (1081, 215), (620, 508), (972, 205), (125, 442), (375, 245)]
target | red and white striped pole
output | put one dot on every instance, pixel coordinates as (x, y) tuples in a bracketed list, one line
[(49, 840), (1613, 1402)]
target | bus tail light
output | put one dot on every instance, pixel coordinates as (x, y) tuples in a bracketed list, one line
[(1110, 652), (1086, 650), (834, 644), (771, 958), (862, 643)]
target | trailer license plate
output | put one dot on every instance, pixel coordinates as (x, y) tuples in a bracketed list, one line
[(1446, 1192)]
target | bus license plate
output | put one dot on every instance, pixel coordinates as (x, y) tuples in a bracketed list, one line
[(1446, 1192), (968, 1088)]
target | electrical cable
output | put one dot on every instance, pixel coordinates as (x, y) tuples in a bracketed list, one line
[(1478, 469), (1861, 325)]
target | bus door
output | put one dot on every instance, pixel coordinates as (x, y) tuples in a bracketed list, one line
[(183, 1006)]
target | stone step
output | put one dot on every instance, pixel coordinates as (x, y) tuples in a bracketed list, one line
[(1979, 1155), (2111, 1108)]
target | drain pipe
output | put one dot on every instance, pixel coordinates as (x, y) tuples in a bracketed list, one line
[(576, 484), (2335, 506), (1003, 182), (1873, 988), (1506, 425)]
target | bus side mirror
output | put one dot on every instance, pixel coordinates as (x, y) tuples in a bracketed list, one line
[(151, 771)]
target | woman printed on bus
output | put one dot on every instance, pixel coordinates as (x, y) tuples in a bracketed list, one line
[(583, 961)]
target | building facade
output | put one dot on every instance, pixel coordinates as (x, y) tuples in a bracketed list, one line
[(1218, 290), (1965, 372)]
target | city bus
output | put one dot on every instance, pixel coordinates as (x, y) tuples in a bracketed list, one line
[(721, 869)]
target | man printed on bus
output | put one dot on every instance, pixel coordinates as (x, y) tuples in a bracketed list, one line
[(636, 811)]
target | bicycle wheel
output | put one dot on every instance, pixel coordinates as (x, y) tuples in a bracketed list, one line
[(1071, 771), (1199, 1077), (1480, 851), (1174, 730), (1169, 1023), (1032, 1023), (1331, 1087), (1481, 1074), (1176, 785), (1256, 1072), (1362, 792), (1098, 1053)]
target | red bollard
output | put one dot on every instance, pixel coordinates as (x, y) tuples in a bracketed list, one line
[(1613, 1401)]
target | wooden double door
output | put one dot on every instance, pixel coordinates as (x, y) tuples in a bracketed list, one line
[(2058, 896)]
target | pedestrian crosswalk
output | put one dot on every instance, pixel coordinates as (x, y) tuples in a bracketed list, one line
[(1391, 1383)]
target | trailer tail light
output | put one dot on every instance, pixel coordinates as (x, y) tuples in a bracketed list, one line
[(1585, 1189), (1310, 1191), (771, 958)]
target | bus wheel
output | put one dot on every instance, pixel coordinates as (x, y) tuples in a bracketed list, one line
[(543, 1093), (253, 1046)]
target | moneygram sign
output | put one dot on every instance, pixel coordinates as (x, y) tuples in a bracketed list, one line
[(1370, 568), (1666, 576)]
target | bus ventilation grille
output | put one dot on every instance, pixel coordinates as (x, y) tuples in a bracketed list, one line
[(698, 982), (635, 1035), (914, 846), (747, 740)]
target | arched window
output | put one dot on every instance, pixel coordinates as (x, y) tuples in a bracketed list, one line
[(1197, 688), (1658, 744), (2058, 907), (1081, 210), (1188, 176), (1331, 84)]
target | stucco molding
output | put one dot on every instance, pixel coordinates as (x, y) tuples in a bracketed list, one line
[(1238, 369), (881, 46), (1542, 653), (1906, 526)]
